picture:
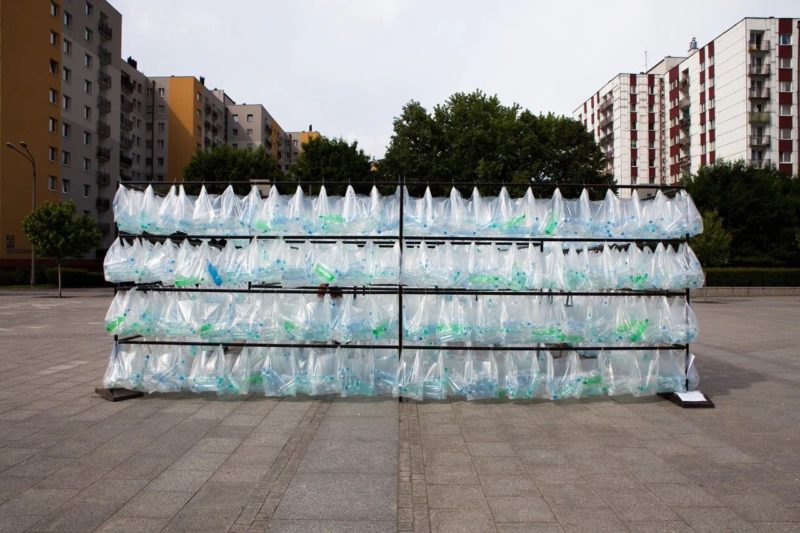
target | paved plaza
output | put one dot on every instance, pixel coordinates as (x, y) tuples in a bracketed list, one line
[(72, 462)]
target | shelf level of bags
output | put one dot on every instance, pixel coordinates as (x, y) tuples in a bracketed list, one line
[(416, 374), (492, 266), (430, 319), (228, 214)]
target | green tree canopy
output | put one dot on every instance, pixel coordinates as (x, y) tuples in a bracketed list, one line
[(713, 246), (474, 139), (332, 160), (759, 207), (56, 232), (225, 163)]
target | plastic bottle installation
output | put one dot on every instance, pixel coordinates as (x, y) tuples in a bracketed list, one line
[(421, 297)]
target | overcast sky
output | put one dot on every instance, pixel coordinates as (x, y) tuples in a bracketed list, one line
[(348, 66)]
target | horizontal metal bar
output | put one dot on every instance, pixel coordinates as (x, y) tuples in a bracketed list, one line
[(410, 239), (534, 184), (260, 182), (517, 348), (395, 289)]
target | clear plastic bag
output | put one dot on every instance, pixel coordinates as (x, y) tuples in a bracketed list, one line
[(408, 382), (279, 372), (169, 368), (126, 367), (355, 370), (385, 363), (208, 370), (481, 376)]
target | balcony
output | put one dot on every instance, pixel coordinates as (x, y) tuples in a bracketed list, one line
[(128, 85), (103, 204), (759, 94), (759, 163), (684, 84), (103, 154), (104, 55), (103, 178), (759, 46), (605, 103), (759, 140), (685, 160), (126, 124), (684, 122), (126, 104), (125, 161), (605, 120), (103, 130), (759, 70), (103, 79), (684, 142), (104, 29), (760, 117), (126, 142), (683, 102), (103, 104), (604, 140)]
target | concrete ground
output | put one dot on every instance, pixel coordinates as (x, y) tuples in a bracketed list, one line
[(70, 461)]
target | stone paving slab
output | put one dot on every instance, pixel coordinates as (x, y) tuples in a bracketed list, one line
[(70, 461)]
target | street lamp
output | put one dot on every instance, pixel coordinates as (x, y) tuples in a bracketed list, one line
[(29, 156)]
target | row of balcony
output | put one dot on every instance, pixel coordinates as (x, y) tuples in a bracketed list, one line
[(759, 70), (759, 46), (759, 140), (126, 104), (103, 104)]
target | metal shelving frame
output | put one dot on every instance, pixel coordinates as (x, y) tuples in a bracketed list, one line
[(399, 289)]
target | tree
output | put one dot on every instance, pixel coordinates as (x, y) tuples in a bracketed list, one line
[(713, 245), (759, 207), (225, 163), (333, 160), (474, 139), (56, 231)]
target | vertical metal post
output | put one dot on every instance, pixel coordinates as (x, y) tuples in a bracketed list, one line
[(686, 316)]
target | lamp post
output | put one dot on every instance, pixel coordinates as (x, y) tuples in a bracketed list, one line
[(29, 156)]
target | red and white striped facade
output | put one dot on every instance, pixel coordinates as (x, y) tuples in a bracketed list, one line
[(734, 98)]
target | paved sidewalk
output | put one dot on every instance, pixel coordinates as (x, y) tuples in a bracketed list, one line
[(70, 461)]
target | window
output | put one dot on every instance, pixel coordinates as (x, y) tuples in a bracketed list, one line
[(199, 131), (633, 89), (87, 112), (785, 38), (653, 144), (199, 113), (89, 9), (160, 161), (249, 117), (87, 138), (87, 164), (249, 131), (65, 186), (712, 123), (51, 182), (160, 144), (633, 143), (786, 133), (66, 101), (52, 153), (785, 87), (66, 158), (53, 9), (235, 145), (786, 157), (87, 86), (711, 103), (198, 97), (52, 96), (236, 118), (785, 62), (87, 61), (148, 126), (66, 130), (651, 108), (148, 161), (87, 34), (67, 75), (53, 38), (53, 66), (161, 109), (785, 110), (161, 91), (294, 143), (67, 19), (235, 131), (160, 126), (52, 124), (67, 47)]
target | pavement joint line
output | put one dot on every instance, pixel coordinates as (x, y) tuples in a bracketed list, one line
[(272, 487)]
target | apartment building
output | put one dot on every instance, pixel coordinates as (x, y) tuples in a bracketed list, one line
[(298, 139), (89, 119), (736, 97)]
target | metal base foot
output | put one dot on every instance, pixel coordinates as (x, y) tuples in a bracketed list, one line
[(117, 395), (688, 400)]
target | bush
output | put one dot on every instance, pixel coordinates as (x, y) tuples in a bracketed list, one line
[(752, 277), (76, 277), (20, 276)]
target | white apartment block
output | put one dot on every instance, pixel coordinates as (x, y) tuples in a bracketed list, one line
[(734, 98)]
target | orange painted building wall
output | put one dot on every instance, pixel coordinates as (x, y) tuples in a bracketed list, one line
[(25, 53), (183, 121)]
